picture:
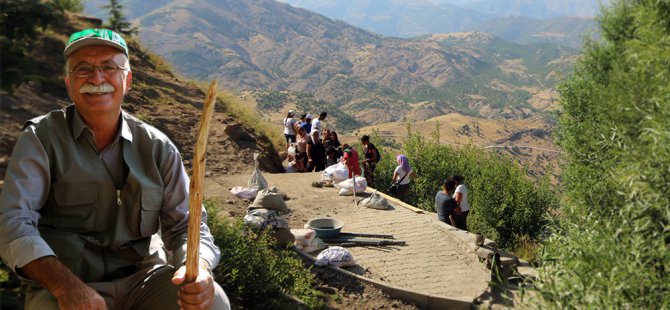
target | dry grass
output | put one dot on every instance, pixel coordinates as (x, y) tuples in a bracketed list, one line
[(244, 111)]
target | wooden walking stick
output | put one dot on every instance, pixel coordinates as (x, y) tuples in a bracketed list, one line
[(195, 187)]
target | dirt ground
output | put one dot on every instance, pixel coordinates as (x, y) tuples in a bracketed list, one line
[(345, 292)]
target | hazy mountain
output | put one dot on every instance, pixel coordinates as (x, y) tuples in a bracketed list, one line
[(519, 21), (540, 9), (263, 44), (536, 9), (398, 18), (567, 31)]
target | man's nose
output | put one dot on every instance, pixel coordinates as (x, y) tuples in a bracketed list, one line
[(97, 76)]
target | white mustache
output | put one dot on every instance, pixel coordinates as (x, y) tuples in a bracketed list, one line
[(96, 89)]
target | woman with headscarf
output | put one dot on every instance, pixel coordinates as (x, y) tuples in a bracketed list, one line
[(401, 175)]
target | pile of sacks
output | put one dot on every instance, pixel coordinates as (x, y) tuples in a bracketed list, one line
[(306, 240), (267, 212)]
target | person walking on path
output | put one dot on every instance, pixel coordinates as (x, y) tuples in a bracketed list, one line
[(289, 129), (372, 157), (402, 175), (95, 206), (461, 197), (445, 204)]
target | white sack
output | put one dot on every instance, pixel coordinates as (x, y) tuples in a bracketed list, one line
[(375, 201), (257, 178), (244, 192), (336, 256)]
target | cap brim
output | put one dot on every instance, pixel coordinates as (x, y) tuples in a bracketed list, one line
[(91, 41)]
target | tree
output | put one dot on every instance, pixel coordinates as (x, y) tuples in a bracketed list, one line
[(20, 22), (68, 5), (610, 246), (117, 21)]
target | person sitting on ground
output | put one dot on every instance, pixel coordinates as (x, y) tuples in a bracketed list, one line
[(461, 197), (289, 128), (371, 155), (95, 200), (295, 164), (350, 159), (445, 204), (402, 175)]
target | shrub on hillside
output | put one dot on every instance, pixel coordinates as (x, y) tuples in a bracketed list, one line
[(610, 249), (505, 203), (253, 272)]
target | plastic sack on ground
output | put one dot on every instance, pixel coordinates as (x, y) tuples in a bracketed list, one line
[(257, 178), (315, 245), (292, 150), (375, 201), (244, 192), (269, 199), (303, 236), (263, 218), (337, 172), (336, 256), (347, 186)]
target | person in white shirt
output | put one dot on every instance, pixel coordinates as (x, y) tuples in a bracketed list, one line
[(461, 196), (316, 125), (289, 128), (317, 152)]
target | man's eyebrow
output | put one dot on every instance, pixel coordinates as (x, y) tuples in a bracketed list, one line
[(84, 62)]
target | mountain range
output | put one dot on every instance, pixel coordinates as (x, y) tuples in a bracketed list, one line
[(264, 44), (521, 21)]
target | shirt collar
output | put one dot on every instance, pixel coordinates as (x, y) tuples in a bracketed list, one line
[(78, 127)]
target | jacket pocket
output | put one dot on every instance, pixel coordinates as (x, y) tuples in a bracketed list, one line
[(76, 206), (151, 199)]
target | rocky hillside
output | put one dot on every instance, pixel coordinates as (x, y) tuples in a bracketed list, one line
[(264, 44), (156, 96)]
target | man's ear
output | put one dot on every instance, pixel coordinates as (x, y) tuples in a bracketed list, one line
[(129, 79), (67, 85)]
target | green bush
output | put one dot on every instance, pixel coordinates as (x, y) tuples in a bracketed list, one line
[(254, 272), (610, 246), (505, 203)]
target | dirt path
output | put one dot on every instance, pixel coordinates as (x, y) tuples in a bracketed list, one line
[(433, 261)]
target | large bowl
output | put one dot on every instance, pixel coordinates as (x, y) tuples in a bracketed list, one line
[(326, 227)]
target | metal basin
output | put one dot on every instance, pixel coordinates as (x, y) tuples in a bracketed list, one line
[(326, 227)]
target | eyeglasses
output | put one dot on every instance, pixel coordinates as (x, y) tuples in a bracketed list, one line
[(87, 71)]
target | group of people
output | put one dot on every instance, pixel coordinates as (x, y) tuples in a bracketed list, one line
[(309, 145), (451, 203)]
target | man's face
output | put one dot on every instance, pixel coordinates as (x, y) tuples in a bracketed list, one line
[(103, 90)]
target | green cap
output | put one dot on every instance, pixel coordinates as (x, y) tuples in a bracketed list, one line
[(94, 36)]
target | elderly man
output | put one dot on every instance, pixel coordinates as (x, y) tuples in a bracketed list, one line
[(94, 210)]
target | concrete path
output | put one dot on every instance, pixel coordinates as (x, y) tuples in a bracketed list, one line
[(437, 260)]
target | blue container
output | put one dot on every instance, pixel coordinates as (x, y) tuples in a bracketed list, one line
[(326, 227)]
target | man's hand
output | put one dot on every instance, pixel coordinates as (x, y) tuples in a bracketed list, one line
[(198, 294), (68, 289), (82, 297)]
